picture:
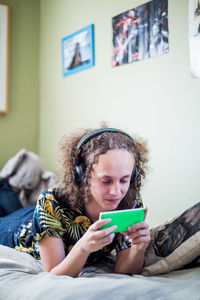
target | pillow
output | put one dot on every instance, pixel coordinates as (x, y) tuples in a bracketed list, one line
[(174, 244)]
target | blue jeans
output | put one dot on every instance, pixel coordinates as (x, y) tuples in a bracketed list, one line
[(11, 225), (9, 201)]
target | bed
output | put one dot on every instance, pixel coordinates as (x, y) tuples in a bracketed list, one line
[(21, 277)]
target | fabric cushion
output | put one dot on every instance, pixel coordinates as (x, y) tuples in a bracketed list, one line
[(174, 244)]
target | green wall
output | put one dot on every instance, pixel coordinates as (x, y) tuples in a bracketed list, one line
[(20, 127)]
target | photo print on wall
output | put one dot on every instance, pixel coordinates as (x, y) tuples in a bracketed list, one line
[(194, 36), (140, 33), (78, 50)]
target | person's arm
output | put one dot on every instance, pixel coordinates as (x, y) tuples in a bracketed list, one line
[(53, 258), (131, 260), (53, 255)]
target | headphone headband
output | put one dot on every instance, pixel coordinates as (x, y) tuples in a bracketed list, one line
[(94, 133), (78, 171)]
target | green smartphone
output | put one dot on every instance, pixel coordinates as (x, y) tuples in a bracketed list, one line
[(122, 218)]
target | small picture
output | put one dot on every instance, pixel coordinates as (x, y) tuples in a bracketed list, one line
[(140, 32), (78, 50)]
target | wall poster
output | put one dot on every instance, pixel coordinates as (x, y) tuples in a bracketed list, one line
[(140, 33), (194, 36)]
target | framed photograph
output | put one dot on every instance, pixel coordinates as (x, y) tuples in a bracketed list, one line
[(4, 55), (78, 50)]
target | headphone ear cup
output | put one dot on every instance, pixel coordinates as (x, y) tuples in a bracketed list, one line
[(79, 172), (75, 175), (135, 175)]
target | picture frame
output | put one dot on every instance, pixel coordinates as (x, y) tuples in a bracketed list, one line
[(78, 50), (4, 55)]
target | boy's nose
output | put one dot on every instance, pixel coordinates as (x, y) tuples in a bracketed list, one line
[(115, 189)]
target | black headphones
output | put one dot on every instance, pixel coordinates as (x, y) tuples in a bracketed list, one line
[(78, 171)]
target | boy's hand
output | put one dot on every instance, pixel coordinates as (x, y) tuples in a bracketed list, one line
[(139, 234), (95, 239)]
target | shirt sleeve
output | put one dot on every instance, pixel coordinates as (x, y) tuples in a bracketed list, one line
[(46, 218)]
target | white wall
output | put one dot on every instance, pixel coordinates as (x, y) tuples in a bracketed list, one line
[(156, 98)]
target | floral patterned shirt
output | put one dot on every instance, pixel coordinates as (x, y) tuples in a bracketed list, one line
[(53, 217)]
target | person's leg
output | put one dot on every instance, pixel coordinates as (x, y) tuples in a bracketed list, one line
[(10, 225), (9, 201)]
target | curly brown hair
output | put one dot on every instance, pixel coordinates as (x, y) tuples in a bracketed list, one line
[(75, 194)]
